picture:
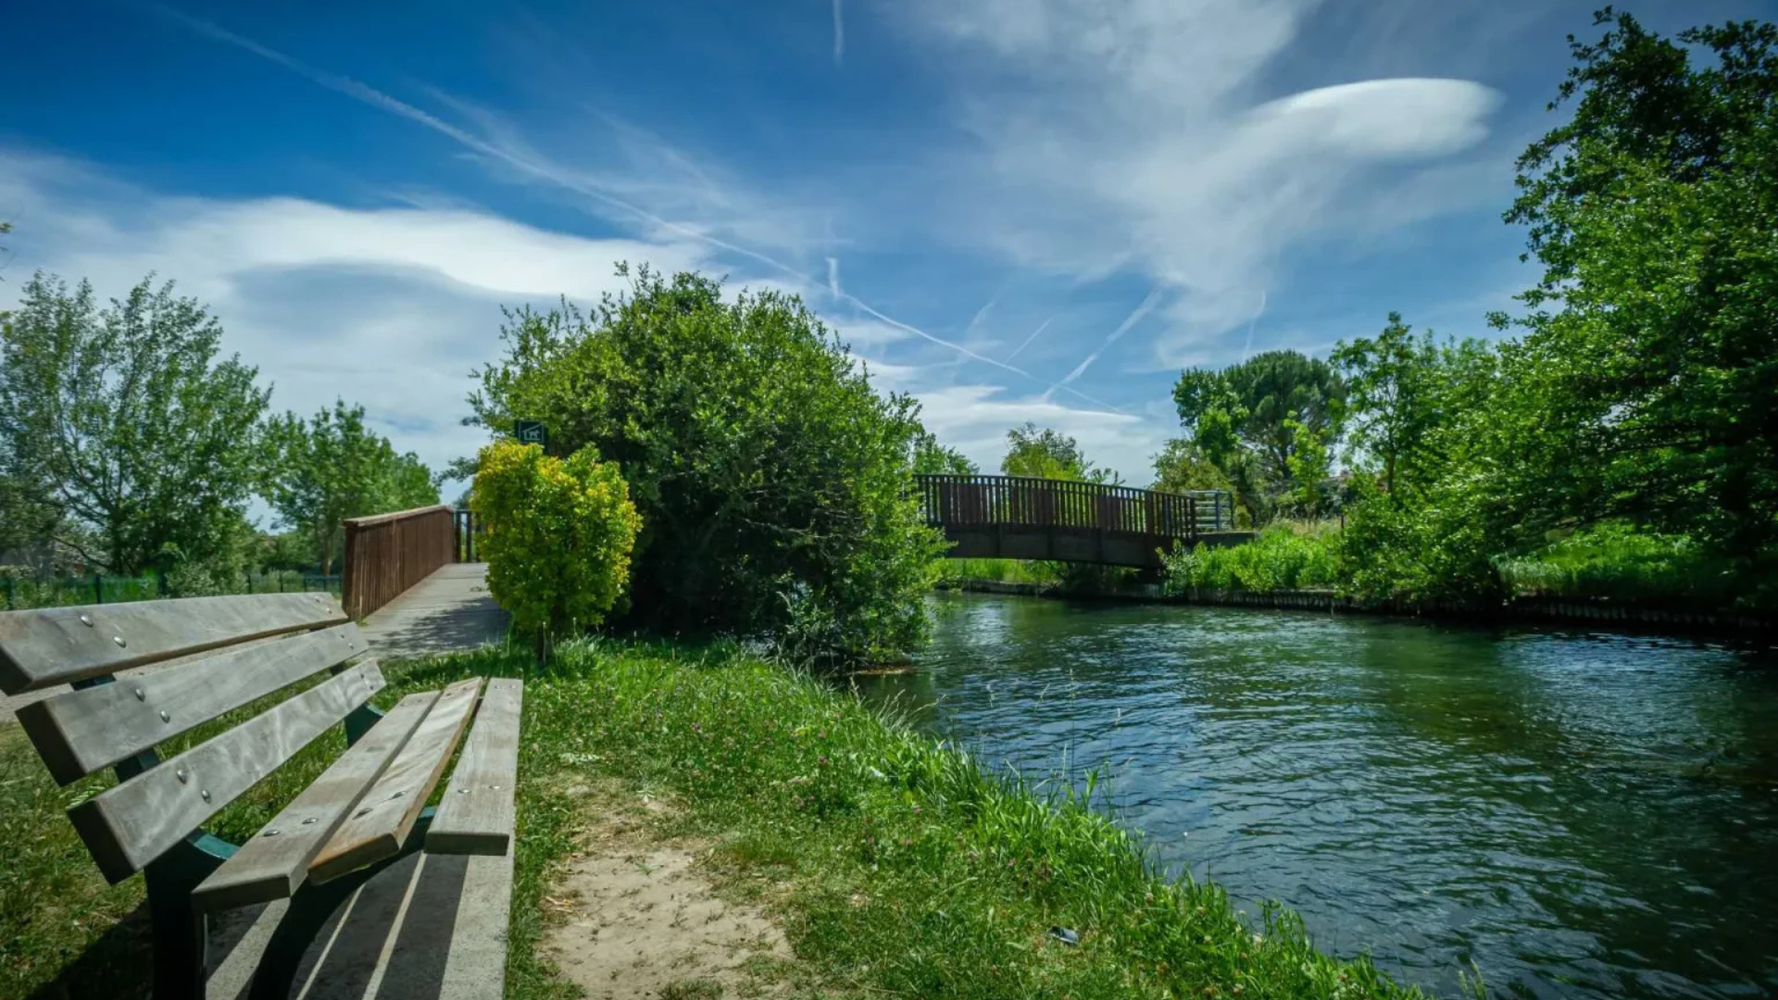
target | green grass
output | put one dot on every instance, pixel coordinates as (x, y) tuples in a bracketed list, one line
[(1000, 570), (897, 866), (1287, 556), (1617, 562)]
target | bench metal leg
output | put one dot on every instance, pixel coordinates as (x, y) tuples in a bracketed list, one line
[(359, 721), (180, 930), (309, 911)]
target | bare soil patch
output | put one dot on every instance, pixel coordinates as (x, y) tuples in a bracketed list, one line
[(638, 919)]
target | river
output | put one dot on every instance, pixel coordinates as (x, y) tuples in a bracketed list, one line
[(1583, 814)]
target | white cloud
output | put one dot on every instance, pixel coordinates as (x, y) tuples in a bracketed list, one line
[(391, 308), (1128, 136), (975, 418)]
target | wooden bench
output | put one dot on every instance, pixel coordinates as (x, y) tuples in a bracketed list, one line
[(358, 818)]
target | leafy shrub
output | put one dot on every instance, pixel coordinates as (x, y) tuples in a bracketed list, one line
[(1282, 557), (773, 481), (1617, 561), (1437, 548), (559, 536)]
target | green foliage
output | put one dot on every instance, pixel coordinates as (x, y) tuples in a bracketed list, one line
[(1402, 391), (1615, 560), (332, 467), (934, 459), (1000, 570), (1435, 547), (123, 435), (1648, 346), (1182, 467), (288, 551), (559, 536), (773, 481), (1049, 454), (1250, 407), (1285, 556), (1310, 465)]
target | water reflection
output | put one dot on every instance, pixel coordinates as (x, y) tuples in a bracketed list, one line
[(1583, 814)]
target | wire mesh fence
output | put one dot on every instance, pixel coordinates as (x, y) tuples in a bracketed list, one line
[(19, 593)]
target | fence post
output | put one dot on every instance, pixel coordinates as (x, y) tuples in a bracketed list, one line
[(98, 589)]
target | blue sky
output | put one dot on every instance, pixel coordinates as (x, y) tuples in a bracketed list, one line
[(1012, 209)]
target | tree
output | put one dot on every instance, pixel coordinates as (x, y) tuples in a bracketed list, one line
[(1250, 406), (934, 459), (772, 480), (559, 539), (1182, 467), (141, 443), (1310, 466), (331, 467), (1646, 385), (1049, 454), (1402, 390)]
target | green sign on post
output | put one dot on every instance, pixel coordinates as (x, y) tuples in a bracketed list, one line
[(531, 432)]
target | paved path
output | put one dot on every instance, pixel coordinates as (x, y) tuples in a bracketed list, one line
[(447, 612)]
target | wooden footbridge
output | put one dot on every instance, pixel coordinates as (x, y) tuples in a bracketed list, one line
[(1018, 517)]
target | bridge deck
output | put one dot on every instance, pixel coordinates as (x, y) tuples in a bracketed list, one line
[(449, 611)]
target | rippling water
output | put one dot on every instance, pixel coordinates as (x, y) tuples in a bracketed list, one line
[(1583, 815)]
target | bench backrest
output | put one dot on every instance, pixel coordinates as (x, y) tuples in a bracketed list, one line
[(232, 652)]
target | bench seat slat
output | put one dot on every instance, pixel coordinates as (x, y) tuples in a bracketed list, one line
[(476, 815), (274, 863), (49, 646), (384, 816), (129, 825), (79, 732)]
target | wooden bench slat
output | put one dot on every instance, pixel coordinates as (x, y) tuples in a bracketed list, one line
[(476, 815), (386, 813), (274, 863), (49, 646), (127, 826), (79, 732)]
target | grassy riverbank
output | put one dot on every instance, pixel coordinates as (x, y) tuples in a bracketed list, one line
[(1608, 562), (896, 866)]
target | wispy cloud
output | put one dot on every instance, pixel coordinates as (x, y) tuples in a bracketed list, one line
[(1114, 137), (839, 35), (1252, 321), (833, 276), (545, 170), (411, 295), (1130, 321), (1027, 341)]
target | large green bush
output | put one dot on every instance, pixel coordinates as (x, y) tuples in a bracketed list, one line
[(559, 536), (773, 481)]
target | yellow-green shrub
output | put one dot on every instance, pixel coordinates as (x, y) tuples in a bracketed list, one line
[(559, 536)]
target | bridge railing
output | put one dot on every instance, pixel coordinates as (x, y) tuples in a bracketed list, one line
[(389, 553), (1023, 501)]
